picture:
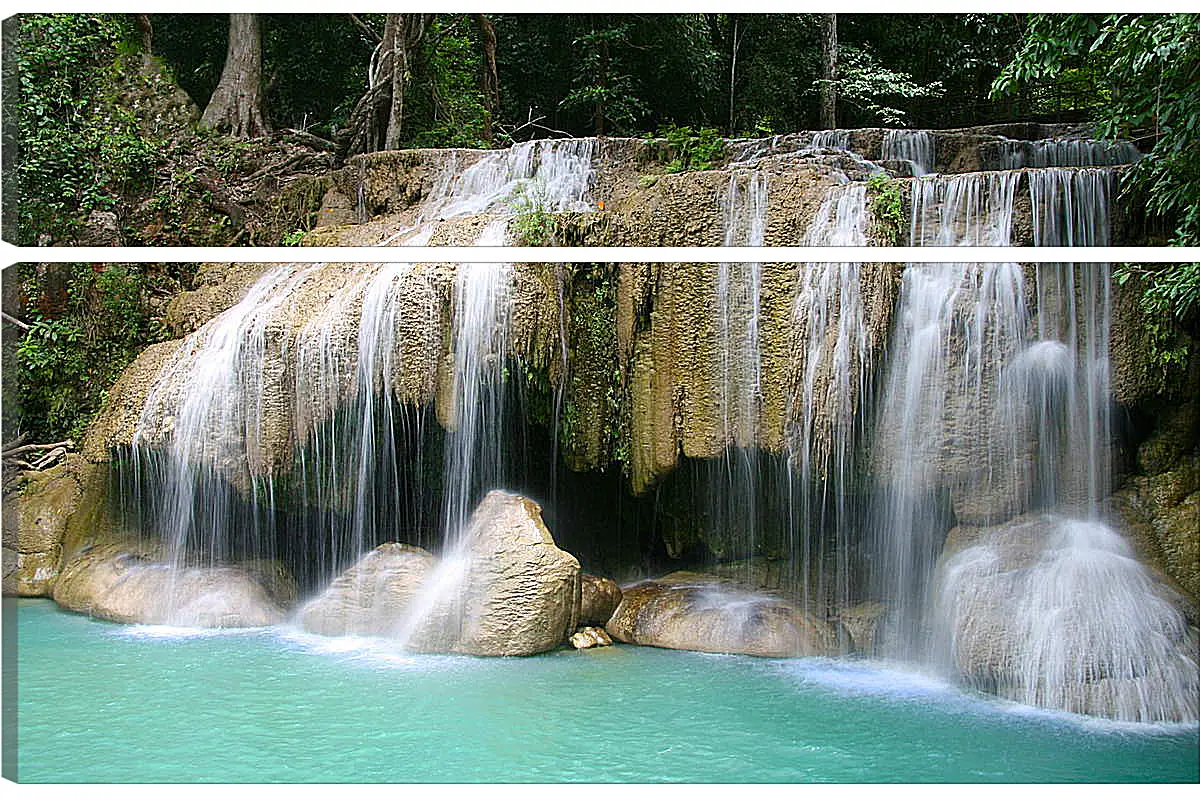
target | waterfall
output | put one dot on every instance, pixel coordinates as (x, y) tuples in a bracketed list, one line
[(474, 456), (834, 140), (734, 479), (211, 398), (915, 147), (551, 175), (1070, 206), (995, 417), (1013, 154), (973, 209)]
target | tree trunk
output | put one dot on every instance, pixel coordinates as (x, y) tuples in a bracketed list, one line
[(145, 32), (377, 121), (829, 71), (489, 80), (237, 104)]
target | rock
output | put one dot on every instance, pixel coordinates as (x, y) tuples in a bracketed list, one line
[(371, 598), (124, 583), (590, 636), (505, 590), (43, 503), (862, 623), (1056, 612), (1163, 514), (691, 611), (599, 599), (522, 594)]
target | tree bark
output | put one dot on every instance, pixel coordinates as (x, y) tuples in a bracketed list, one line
[(829, 71), (145, 32), (237, 104), (377, 121), (489, 79)]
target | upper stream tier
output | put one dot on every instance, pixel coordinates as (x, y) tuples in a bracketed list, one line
[(1018, 185)]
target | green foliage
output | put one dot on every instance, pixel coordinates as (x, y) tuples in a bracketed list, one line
[(293, 239), (863, 82), (692, 149), (445, 104), (1143, 72), (1170, 300), (87, 323), (604, 86), (533, 225), (80, 147), (886, 207), (1170, 288)]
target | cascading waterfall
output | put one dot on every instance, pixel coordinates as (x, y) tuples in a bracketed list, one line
[(995, 416), (954, 324), (734, 478), (1070, 206), (915, 147), (829, 325), (972, 209), (834, 139), (1012, 154), (551, 175)]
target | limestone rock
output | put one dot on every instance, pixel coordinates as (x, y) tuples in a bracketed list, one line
[(862, 624), (691, 611), (124, 583), (600, 598), (1163, 514), (522, 593), (372, 597), (35, 522), (506, 590), (590, 636), (1056, 612)]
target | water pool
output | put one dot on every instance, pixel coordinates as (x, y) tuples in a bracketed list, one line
[(99, 702)]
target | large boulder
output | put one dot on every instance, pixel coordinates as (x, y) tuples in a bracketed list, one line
[(691, 611), (505, 589), (35, 521), (1057, 612), (124, 583)]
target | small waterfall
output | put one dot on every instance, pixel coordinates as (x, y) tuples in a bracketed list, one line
[(473, 460), (208, 404), (915, 147), (833, 140), (734, 479), (1070, 206), (971, 209), (1013, 154), (553, 175)]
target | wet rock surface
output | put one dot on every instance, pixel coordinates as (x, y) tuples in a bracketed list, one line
[(692, 611), (1056, 612), (36, 515), (130, 584), (507, 591)]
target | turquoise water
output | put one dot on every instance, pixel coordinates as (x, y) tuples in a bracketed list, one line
[(107, 703)]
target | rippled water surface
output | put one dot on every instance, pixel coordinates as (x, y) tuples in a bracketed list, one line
[(100, 702)]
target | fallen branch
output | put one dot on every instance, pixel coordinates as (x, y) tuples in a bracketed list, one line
[(30, 448), (51, 458), (16, 462), (9, 318), (17, 442), (306, 138)]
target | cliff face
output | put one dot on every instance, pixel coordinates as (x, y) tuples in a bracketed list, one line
[(636, 350)]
